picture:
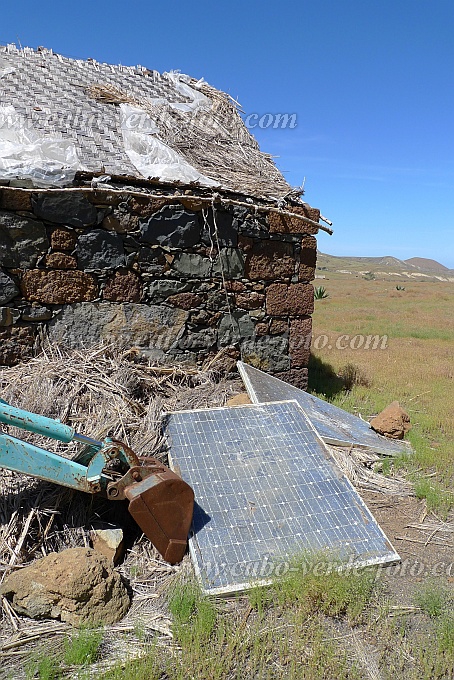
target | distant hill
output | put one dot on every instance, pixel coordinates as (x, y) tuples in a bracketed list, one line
[(427, 265), (382, 267)]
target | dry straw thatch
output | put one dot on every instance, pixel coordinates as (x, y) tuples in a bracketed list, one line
[(215, 142)]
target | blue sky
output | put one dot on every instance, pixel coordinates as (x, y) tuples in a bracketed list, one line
[(371, 84)]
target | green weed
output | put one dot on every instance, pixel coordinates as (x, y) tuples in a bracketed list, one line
[(437, 499), (445, 633), (194, 615), (44, 667), (83, 647), (433, 598), (148, 667), (318, 584)]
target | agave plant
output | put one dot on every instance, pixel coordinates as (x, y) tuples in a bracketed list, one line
[(320, 293)]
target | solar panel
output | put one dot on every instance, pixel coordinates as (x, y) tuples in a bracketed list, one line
[(334, 425), (265, 490)]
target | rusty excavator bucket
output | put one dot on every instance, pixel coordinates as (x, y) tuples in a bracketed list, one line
[(162, 505), (159, 500)]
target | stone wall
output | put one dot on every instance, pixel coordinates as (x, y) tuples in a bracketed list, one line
[(171, 276)]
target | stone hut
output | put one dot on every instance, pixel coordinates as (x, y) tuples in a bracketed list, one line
[(136, 208)]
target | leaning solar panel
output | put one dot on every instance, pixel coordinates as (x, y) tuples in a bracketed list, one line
[(334, 425), (266, 490)]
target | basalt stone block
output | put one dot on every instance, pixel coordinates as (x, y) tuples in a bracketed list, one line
[(306, 273), (15, 199), (222, 226), (16, 344), (191, 264), (8, 289), (65, 207), (266, 353), (151, 261), (36, 314), (235, 286), (6, 317), (190, 203), (147, 327), (235, 327), (123, 286), (261, 329), (204, 339), (22, 240), (172, 226), (295, 376), (147, 206), (120, 221), (278, 326), (216, 301), (60, 261), (63, 239), (104, 197), (159, 291), (308, 259), (270, 260), (229, 263), (58, 287), (300, 341), (185, 300), (249, 300), (286, 224), (100, 249), (295, 300)]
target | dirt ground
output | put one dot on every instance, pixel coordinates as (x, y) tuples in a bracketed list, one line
[(425, 553)]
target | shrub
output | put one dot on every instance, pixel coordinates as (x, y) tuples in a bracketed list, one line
[(352, 375)]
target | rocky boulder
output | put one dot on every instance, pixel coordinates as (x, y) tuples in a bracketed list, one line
[(76, 585), (392, 422)]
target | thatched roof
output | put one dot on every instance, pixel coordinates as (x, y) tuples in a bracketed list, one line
[(84, 103)]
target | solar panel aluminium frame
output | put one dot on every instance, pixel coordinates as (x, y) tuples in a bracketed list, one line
[(198, 548), (373, 442)]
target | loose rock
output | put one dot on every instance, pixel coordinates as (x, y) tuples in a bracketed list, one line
[(76, 585), (392, 422)]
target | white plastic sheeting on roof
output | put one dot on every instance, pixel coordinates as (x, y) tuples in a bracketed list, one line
[(180, 83), (151, 157), (47, 160)]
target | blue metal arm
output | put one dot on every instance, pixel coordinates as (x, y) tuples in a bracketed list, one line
[(84, 474), (21, 456)]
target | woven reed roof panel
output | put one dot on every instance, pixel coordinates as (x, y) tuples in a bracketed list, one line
[(55, 94)]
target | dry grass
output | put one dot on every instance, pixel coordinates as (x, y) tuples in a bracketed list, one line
[(416, 367)]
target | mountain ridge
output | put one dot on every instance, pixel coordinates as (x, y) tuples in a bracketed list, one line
[(388, 265)]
